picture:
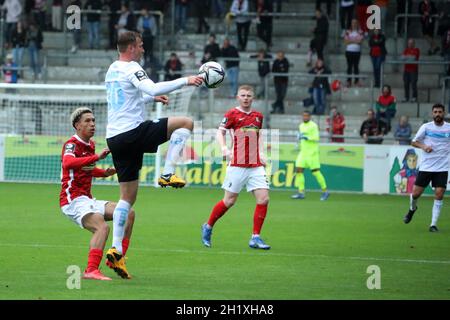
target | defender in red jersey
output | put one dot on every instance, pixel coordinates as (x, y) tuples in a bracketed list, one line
[(78, 168), (246, 165)]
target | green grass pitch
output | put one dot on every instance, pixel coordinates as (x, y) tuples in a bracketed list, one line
[(320, 250)]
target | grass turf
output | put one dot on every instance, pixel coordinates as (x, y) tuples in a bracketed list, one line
[(320, 250)]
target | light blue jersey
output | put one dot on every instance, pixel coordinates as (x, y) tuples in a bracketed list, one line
[(438, 138)]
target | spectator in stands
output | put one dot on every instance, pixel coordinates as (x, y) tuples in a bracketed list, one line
[(76, 33), (35, 39), (19, 43), (231, 66), (372, 130), (242, 22), (39, 13), (212, 50), (264, 24), (57, 15), (181, 7), (263, 69), (13, 11), (353, 39), (113, 17), (336, 125), (146, 25), (403, 131), (402, 9), (411, 71), (278, 4), (328, 3), (362, 15), (383, 5), (202, 9), (10, 71), (126, 20), (427, 9), (319, 41), (280, 65), (93, 22), (446, 50), (173, 68), (444, 17), (346, 14), (377, 44), (218, 8), (320, 87), (386, 106)]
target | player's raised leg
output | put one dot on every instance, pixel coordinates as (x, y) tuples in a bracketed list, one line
[(95, 223), (262, 202), (179, 130), (217, 212), (109, 211)]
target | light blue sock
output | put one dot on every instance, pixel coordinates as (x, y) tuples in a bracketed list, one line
[(120, 217)]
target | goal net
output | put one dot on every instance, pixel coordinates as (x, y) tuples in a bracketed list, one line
[(34, 124)]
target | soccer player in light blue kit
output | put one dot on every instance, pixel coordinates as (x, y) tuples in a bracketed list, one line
[(129, 135), (434, 139)]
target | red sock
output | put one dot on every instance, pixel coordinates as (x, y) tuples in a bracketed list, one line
[(258, 217), (125, 245), (94, 259), (219, 210)]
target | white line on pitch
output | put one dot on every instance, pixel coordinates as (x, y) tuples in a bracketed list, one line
[(271, 253)]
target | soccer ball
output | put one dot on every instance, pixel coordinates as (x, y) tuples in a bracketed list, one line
[(213, 74)]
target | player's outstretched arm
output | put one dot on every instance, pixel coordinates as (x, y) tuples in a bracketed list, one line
[(148, 87), (101, 173)]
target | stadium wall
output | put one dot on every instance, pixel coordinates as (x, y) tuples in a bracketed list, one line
[(376, 169)]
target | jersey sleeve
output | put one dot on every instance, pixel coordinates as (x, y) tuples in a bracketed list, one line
[(98, 173), (227, 121), (420, 135), (313, 134), (139, 78), (69, 149)]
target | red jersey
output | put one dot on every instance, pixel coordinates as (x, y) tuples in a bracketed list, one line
[(412, 52), (244, 128), (78, 168)]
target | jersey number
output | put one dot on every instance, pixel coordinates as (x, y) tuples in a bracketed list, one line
[(115, 95)]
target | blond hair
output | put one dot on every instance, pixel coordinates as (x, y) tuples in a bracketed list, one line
[(247, 88), (77, 113)]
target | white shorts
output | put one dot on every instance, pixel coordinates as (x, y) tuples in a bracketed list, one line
[(81, 206), (236, 178)]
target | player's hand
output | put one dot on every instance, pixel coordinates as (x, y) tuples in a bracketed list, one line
[(226, 154), (109, 172), (427, 149), (195, 80), (162, 99), (103, 154)]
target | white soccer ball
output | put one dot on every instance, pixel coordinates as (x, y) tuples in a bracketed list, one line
[(213, 73)]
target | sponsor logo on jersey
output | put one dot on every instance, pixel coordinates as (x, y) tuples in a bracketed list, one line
[(70, 148), (224, 121), (89, 167), (141, 75)]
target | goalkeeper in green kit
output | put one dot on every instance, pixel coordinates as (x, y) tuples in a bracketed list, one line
[(309, 157)]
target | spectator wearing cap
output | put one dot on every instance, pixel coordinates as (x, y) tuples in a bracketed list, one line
[(386, 106)]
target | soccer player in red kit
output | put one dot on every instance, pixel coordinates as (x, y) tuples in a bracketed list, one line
[(246, 166), (76, 202)]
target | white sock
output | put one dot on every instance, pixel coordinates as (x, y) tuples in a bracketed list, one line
[(255, 236), (437, 205), (176, 145), (412, 203), (120, 217)]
